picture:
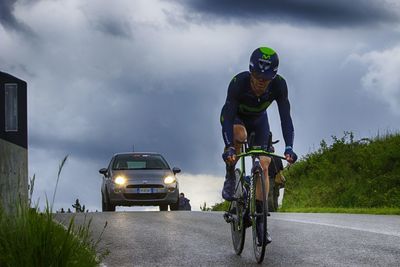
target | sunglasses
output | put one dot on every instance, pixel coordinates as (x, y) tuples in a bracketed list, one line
[(259, 77)]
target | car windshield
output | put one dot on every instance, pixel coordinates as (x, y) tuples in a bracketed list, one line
[(139, 161)]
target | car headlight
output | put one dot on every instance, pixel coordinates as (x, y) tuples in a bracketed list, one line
[(120, 180), (169, 179)]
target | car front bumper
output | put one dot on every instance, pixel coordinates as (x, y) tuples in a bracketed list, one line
[(143, 195)]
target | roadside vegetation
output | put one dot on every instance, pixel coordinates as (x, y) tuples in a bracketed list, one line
[(29, 237), (223, 206), (348, 176)]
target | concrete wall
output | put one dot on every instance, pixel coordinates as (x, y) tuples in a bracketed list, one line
[(13, 175)]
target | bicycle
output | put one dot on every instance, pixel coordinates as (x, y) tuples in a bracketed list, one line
[(244, 204)]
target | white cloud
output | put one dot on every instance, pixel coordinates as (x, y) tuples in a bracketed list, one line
[(200, 188), (382, 78)]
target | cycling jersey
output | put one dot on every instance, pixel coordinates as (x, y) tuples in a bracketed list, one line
[(243, 105)]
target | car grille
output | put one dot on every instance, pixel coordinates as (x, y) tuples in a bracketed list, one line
[(144, 186), (145, 196)]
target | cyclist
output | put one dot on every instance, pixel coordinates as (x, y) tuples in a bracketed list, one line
[(250, 93)]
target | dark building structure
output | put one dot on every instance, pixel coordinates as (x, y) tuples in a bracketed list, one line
[(13, 141)]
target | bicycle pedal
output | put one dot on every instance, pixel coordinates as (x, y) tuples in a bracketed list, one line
[(228, 217)]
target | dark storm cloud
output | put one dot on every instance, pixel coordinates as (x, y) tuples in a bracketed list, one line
[(324, 13), (173, 124), (114, 28), (6, 13), (8, 20)]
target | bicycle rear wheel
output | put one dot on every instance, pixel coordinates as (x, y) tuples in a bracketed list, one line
[(259, 222), (238, 230)]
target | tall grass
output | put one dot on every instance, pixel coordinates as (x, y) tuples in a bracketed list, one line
[(31, 238)]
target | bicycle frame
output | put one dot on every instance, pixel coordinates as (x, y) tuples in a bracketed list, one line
[(254, 153), (245, 203)]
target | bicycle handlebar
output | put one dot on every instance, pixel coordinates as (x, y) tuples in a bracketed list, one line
[(259, 152)]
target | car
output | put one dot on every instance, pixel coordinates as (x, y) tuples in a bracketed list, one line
[(139, 179)]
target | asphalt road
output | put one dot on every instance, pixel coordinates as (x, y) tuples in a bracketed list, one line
[(203, 239)]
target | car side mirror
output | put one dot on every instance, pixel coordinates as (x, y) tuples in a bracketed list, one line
[(176, 170), (103, 171)]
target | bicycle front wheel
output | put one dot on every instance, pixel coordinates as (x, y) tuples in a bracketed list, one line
[(259, 215), (238, 230)]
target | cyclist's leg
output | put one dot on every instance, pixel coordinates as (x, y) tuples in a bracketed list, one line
[(261, 138), (239, 136), (265, 161)]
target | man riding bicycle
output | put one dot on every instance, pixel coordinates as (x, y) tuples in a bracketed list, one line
[(250, 93)]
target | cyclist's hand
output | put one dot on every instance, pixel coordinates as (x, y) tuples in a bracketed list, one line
[(229, 155), (290, 156)]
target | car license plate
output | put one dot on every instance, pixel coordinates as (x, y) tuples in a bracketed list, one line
[(146, 190)]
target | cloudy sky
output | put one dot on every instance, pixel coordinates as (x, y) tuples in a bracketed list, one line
[(104, 76)]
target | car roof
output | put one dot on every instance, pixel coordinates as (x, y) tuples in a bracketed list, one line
[(136, 153)]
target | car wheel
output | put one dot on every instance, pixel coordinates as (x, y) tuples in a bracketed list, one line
[(174, 206), (111, 207), (103, 203), (107, 205), (164, 207)]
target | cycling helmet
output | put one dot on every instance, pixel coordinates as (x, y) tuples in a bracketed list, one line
[(264, 61)]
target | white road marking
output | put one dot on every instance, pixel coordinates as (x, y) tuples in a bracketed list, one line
[(340, 226)]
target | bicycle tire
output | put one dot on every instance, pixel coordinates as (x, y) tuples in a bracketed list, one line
[(238, 230), (259, 245)]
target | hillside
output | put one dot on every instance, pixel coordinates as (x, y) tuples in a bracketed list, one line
[(347, 174)]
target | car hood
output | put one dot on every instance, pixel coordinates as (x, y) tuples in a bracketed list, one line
[(143, 174)]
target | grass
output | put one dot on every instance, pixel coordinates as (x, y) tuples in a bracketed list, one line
[(223, 206), (31, 238), (351, 176), (346, 177)]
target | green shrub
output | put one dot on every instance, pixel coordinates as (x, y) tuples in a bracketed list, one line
[(223, 206), (347, 174)]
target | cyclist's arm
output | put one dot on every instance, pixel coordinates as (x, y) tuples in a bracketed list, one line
[(229, 112), (284, 113)]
